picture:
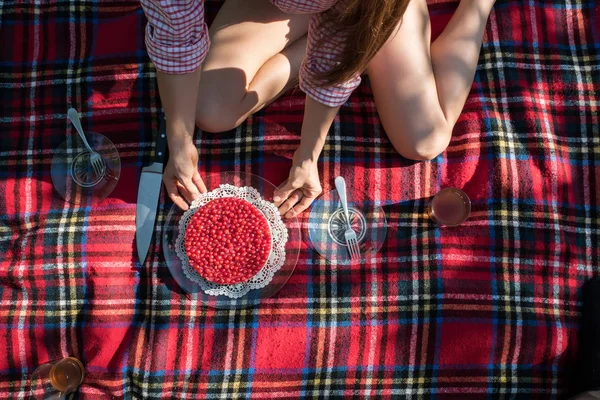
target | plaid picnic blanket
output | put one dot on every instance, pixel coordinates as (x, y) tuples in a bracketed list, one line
[(486, 310)]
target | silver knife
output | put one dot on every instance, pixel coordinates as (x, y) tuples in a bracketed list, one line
[(148, 194)]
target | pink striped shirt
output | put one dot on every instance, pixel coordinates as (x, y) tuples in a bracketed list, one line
[(177, 42)]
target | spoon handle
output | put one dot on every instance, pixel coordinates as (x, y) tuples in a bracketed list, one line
[(73, 115)]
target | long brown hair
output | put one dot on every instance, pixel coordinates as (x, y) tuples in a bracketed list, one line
[(365, 26)]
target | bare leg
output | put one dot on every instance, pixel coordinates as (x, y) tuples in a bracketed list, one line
[(255, 57), (420, 90)]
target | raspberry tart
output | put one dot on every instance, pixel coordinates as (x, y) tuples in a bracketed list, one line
[(228, 241)]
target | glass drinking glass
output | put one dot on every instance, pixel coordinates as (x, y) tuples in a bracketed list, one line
[(56, 379), (449, 207)]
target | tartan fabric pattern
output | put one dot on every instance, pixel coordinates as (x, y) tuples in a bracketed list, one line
[(485, 310)]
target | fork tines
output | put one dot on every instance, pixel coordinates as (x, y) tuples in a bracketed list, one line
[(353, 247)]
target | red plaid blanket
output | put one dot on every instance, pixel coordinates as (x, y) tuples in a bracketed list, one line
[(485, 310)]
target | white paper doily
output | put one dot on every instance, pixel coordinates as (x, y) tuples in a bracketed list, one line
[(279, 237)]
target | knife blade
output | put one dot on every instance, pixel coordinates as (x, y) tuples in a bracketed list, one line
[(148, 194)]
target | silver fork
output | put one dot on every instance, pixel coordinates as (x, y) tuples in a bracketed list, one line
[(95, 157), (349, 234)]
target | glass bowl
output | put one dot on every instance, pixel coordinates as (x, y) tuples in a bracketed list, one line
[(73, 176), (327, 223)]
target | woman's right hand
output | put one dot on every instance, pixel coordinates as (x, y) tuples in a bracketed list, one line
[(181, 177)]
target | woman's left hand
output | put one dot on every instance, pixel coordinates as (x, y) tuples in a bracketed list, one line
[(300, 190)]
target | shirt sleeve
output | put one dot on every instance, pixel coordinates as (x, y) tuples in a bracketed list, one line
[(322, 51), (176, 35)]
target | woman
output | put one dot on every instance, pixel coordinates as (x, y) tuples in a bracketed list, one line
[(259, 49)]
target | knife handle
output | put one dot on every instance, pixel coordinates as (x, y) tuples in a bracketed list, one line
[(160, 144)]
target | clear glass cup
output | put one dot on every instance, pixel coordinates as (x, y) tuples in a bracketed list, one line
[(449, 207), (56, 379)]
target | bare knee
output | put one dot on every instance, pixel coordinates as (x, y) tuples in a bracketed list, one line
[(423, 152), (425, 147), (215, 117)]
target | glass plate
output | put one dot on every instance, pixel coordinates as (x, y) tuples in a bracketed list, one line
[(253, 297), (327, 223), (73, 176)]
